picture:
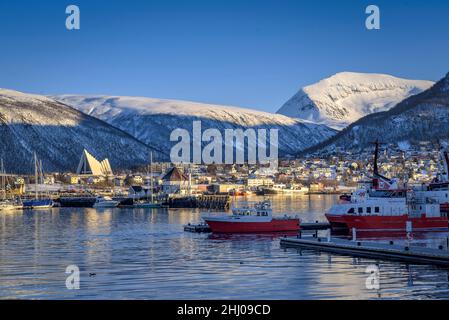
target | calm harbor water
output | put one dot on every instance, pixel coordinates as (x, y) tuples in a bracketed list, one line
[(145, 254)]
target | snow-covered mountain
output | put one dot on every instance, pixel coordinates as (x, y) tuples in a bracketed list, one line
[(152, 120), (58, 134), (346, 97), (423, 117)]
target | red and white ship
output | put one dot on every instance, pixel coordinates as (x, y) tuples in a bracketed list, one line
[(255, 219), (439, 188), (383, 206)]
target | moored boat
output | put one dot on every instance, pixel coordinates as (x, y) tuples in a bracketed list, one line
[(10, 205), (38, 204), (255, 219), (77, 201), (384, 206), (105, 202)]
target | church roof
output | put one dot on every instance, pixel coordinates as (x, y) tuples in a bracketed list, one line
[(174, 174)]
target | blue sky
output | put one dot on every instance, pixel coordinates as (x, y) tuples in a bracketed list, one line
[(250, 53)]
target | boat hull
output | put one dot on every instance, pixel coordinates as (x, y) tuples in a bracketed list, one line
[(109, 204), (275, 225), (337, 222), (11, 208), (38, 204), (391, 223), (82, 202)]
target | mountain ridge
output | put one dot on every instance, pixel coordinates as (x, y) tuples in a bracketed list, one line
[(58, 134), (422, 117), (345, 97), (152, 120)]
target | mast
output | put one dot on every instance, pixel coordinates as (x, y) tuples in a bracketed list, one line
[(2, 172), (35, 175), (376, 157), (151, 175)]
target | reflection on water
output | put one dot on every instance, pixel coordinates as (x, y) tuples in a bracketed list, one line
[(145, 254)]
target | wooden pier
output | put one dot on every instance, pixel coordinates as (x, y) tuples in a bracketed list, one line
[(386, 251), (217, 202)]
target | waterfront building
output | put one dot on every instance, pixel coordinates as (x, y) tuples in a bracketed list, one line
[(174, 181), (89, 165)]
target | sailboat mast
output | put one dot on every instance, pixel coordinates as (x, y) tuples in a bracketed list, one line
[(2, 171), (35, 175), (151, 175)]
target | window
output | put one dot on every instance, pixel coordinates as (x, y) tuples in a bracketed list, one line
[(368, 210), (376, 209), (351, 210), (360, 210)]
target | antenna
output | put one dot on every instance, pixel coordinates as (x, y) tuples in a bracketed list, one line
[(376, 157)]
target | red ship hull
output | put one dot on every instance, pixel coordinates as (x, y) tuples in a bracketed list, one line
[(392, 223), (337, 221), (275, 225)]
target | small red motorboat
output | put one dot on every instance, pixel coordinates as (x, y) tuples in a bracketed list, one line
[(255, 219)]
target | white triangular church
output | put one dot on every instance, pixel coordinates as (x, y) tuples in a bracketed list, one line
[(89, 165)]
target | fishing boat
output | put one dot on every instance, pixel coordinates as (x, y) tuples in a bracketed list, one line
[(280, 188), (251, 219), (384, 206), (105, 202)]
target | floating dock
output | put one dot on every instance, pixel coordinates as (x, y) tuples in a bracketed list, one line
[(386, 251), (197, 228)]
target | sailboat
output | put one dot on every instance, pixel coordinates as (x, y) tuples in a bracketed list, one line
[(37, 202), (5, 204), (151, 203)]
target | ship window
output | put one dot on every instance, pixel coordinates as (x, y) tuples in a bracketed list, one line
[(360, 210), (351, 210), (376, 209), (368, 210)]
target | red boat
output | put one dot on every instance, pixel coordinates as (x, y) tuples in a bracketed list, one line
[(383, 206), (256, 219)]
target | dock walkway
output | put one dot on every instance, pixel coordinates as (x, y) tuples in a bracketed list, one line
[(387, 251)]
